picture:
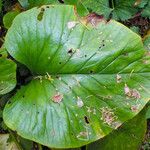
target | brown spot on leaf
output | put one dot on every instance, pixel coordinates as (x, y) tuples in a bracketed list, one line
[(136, 94), (134, 108), (133, 93), (93, 19), (145, 61), (118, 77), (108, 116), (83, 134), (57, 98)]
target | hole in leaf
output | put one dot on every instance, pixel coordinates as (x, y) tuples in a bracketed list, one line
[(40, 15), (86, 119), (42, 9), (61, 1), (91, 71), (70, 51), (1, 55)]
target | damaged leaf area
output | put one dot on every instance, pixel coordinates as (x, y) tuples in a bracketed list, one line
[(128, 136), (86, 84), (57, 98), (131, 93)]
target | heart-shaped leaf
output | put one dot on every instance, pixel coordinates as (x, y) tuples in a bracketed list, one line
[(93, 76), (7, 74)]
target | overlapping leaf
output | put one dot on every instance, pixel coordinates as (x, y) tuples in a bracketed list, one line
[(7, 74), (9, 17), (99, 76), (81, 9), (118, 9), (146, 10)]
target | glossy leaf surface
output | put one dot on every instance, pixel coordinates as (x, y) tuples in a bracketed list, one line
[(93, 76)]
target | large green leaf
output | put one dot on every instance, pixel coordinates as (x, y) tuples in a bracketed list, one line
[(7, 74), (128, 137), (100, 76), (118, 9)]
